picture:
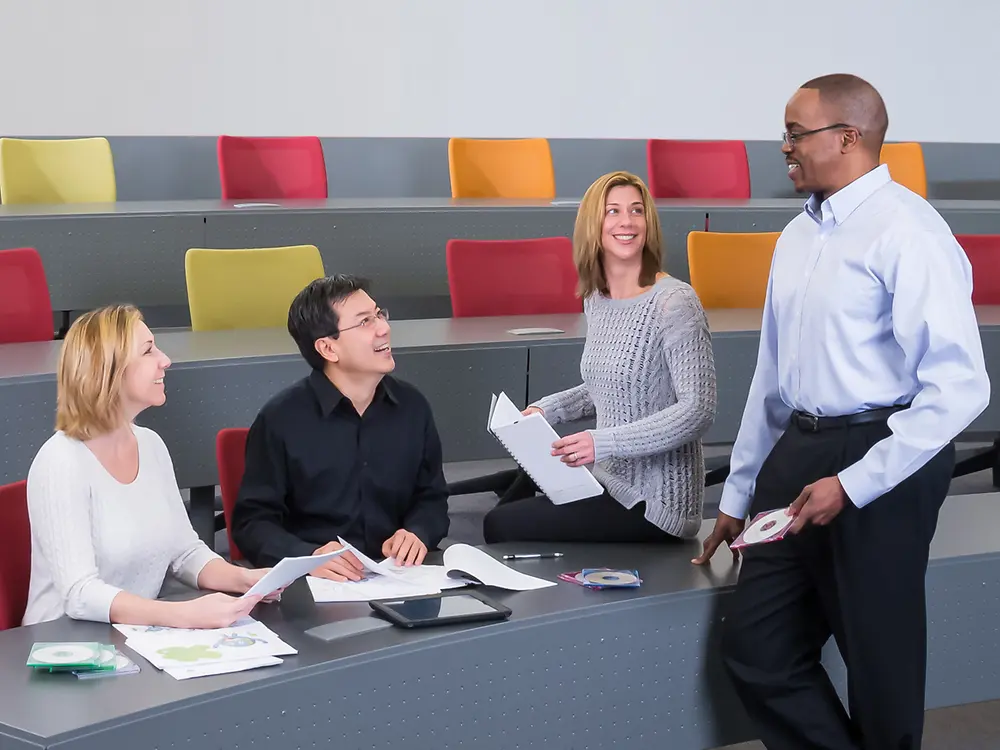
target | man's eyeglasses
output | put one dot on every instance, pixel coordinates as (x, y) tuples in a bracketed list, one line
[(368, 320), (791, 138)]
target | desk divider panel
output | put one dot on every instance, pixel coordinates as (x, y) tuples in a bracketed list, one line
[(103, 259)]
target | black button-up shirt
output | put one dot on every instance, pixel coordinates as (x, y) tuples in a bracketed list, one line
[(315, 470)]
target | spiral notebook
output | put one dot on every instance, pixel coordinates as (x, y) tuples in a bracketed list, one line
[(529, 440)]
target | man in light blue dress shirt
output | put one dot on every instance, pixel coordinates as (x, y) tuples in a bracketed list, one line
[(870, 364)]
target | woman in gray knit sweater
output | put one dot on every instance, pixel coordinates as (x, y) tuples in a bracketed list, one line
[(648, 376)]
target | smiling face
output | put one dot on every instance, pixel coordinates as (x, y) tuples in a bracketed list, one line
[(142, 382), (363, 345), (623, 233), (814, 161)]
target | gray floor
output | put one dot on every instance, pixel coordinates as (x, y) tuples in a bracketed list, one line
[(972, 727)]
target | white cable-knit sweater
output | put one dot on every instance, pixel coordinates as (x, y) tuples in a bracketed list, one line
[(92, 536), (649, 375)]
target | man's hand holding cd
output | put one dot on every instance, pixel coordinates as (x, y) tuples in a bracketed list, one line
[(819, 503)]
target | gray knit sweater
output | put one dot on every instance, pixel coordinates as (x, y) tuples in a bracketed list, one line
[(649, 375)]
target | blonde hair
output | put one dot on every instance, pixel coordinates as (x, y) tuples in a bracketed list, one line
[(91, 367), (588, 251)]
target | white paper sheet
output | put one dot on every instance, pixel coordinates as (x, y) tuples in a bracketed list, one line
[(172, 648), (288, 570), (186, 673), (384, 568), (372, 587), (462, 558), (533, 331)]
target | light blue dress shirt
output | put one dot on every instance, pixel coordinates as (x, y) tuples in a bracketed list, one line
[(869, 304)]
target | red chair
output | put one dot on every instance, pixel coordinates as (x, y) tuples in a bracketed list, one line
[(698, 169), (230, 455), (25, 306), (271, 168), (512, 277), (983, 251), (15, 554)]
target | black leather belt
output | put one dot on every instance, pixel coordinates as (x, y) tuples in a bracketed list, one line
[(812, 423)]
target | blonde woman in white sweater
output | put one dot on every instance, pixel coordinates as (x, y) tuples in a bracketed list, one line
[(107, 519)]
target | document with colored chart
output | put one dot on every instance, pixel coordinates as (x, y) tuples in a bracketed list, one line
[(529, 441)]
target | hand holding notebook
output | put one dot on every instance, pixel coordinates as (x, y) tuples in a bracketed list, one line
[(529, 441)]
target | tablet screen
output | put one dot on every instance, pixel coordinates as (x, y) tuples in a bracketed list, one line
[(437, 607)]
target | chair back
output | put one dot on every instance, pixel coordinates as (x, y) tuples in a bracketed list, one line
[(698, 169), (25, 306), (512, 277), (272, 168), (230, 456), (15, 554), (730, 269), (983, 251), (76, 170), (518, 168), (906, 165), (247, 288)]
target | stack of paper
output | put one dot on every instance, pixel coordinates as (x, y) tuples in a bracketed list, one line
[(463, 565), (184, 653)]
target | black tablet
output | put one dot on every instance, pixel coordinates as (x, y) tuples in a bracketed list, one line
[(447, 608)]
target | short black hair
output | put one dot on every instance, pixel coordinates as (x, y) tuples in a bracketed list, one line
[(857, 103), (311, 315)]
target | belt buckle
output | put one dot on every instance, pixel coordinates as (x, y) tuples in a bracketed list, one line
[(809, 422)]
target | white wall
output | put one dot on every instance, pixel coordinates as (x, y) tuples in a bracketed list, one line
[(558, 68)]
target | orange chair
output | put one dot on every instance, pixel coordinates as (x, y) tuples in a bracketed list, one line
[(512, 277), (520, 168), (230, 456), (15, 554), (906, 165), (730, 269)]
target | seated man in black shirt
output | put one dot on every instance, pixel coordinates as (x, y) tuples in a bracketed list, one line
[(348, 451)]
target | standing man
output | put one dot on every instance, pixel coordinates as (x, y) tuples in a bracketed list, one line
[(870, 364)]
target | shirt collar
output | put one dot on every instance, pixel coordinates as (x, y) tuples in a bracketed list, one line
[(329, 396), (843, 203)]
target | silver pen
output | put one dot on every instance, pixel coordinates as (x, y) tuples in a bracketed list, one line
[(534, 556)]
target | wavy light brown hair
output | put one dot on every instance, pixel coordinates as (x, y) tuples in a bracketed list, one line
[(91, 367), (588, 253)]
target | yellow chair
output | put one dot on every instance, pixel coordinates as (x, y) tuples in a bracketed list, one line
[(519, 168), (247, 288), (78, 170), (730, 269), (906, 165)]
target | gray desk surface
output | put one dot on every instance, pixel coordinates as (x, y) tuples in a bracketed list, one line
[(48, 709), (189, 348)]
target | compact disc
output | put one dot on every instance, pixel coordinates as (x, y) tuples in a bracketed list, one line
[(106, 656), (610, 578), (768, 526), (63, 654)]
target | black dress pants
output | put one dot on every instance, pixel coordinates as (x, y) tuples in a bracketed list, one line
[(860, 579), (533, 518)]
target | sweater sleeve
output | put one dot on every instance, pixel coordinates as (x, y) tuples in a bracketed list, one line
[(689, 361), (567, 406), (190, 553), (59, 510)]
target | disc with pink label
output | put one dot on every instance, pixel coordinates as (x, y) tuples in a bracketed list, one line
[(765, 527)]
